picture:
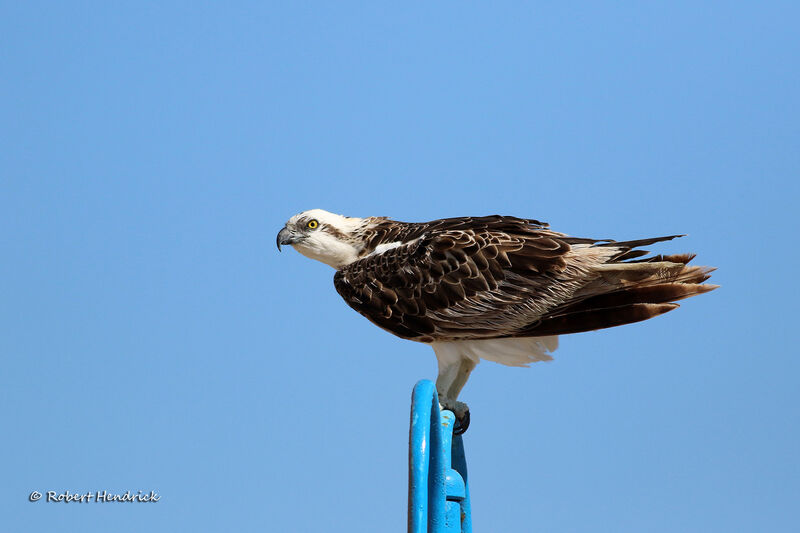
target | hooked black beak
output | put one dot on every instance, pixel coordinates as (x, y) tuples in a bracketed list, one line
[(285, 237)]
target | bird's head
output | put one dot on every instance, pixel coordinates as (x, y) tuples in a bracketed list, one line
[(327, 237)]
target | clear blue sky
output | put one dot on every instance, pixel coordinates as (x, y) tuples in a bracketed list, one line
[(153, 338)]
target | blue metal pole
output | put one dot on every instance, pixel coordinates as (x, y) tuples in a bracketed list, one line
[(460, 466), (438, 495), (419, 455)]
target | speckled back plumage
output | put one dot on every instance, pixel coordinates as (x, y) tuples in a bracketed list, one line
[(497, 277)]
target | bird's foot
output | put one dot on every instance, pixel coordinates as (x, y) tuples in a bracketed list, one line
[(461, 410)]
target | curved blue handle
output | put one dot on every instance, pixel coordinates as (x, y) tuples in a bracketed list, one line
[(438, 492)]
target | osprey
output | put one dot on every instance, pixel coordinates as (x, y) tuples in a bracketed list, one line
[(498, 288)]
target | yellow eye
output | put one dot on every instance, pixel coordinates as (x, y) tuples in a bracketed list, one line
[(312, 224)]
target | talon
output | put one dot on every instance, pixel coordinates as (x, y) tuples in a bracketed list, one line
[(462, 424), (460, 410)]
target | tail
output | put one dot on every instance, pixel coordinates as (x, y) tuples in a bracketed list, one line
[(627, 290)]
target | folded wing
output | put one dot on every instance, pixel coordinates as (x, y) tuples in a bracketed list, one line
[(499, 277)]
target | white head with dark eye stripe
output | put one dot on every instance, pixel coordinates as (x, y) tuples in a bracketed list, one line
[(324, 236)]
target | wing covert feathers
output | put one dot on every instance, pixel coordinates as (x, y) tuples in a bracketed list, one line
[(501, 277)]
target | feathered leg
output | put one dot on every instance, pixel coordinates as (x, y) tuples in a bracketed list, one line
[(454, 371)]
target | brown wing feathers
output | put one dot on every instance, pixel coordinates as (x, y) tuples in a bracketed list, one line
[(504, 277)]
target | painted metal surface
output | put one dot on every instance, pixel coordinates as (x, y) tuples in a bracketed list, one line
[(438, 488)]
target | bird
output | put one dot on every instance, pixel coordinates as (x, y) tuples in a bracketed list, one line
[(495, 288)]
